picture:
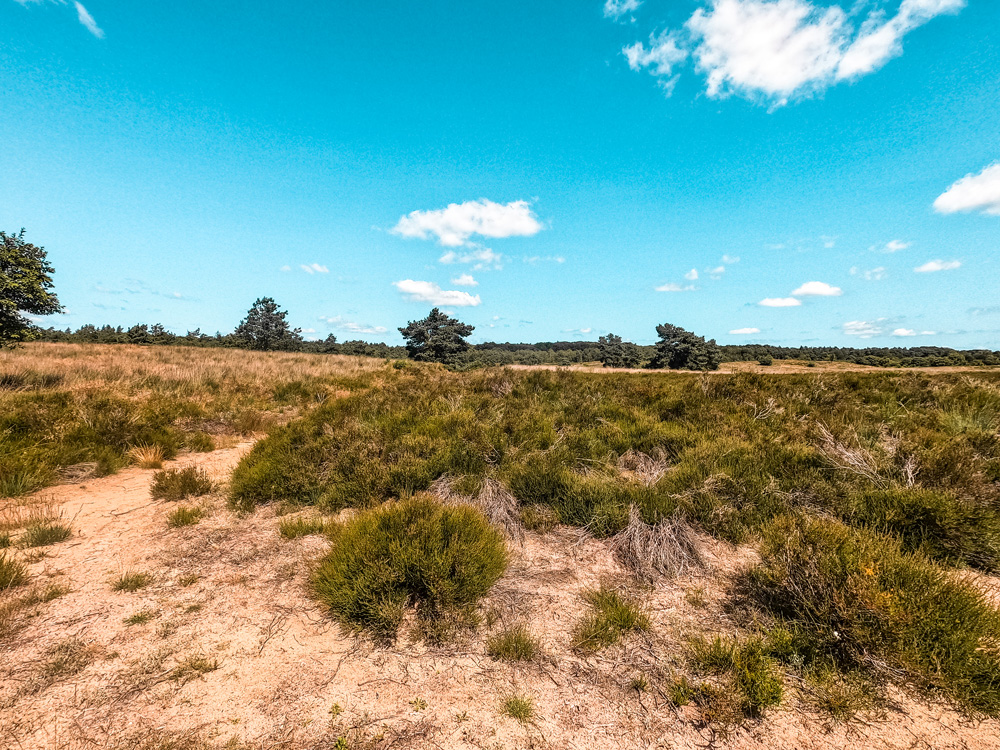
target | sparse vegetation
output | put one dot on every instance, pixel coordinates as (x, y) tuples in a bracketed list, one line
[(185, 516), (12, 572), (513, 644), (141, 617), (44, 533), (192, 667), (293, 528), (131, 581), (612, 616), (180, 484), (441, 559), (519, 708), (748, 666)]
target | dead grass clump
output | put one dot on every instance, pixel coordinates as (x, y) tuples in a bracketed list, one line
[(147, 456), (493, 499), (669, 548), (643, 467), (180, 484), (77, 473), (65, 659)]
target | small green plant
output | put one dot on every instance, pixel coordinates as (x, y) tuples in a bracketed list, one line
[(199, 442), (612, 616), (185, 516), (188, 579), (44, 533), (514, 644), (681, 691), (180, 484), (518, 707), (418, 704), (192, 667), (131, 581), (750, 667), (639, 683), (141, 617), (293, 528), (12, 572), (440, 558), (336, 710)]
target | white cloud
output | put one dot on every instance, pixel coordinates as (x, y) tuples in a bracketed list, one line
[(780, 302), (351, 326), (692, 275), (314, 268), (464, 280), (863, 328), (428, 291), (744, 331), (974, 192), (817, 289), (661, 57), (482, 258), (904, 332), (578, 331), (455, 225), (615, 9), (894, 246), (672, 287), (534, 259), (870, 274), (730, 260), (932, 266), (776, 50), (88, 21), (716, 273)]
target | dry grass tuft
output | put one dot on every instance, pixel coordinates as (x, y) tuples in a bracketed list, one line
[(147, 456), (643, 467), (494, 501), (669, 548)]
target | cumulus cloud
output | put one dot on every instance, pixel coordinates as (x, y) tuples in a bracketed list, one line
[(312, 268), (464, 280), (428, 291), (744, 331), (88, 21), (780, 302), (615, 9), (974, 192), (672, 287), (932, 266), (863, 328), (455, 225), (776, 50), (692, 275), (817, 289), (351, 326), (482, 258)]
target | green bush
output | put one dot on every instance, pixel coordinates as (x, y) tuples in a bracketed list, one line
[(184, 516), (440, 559), (750, 667), (860, 598), (293, 528), (180, 484), (612, 616), (199, 442), (513, 644)]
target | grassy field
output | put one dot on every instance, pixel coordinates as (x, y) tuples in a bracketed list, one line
[(844, 526)]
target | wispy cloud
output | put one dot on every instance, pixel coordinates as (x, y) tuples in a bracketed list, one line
[(88, 21), (906, 332), (974, 192), (428, 291), (777, 50), (869, 274), (615, 9), (933, 266), (730, 260), (692, 275), (482, 258), (744, 331), (341, 324), (672, 287), (864, 329), (312, 268), (455, 225)]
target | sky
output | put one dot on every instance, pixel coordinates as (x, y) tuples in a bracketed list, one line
[(796, 172)]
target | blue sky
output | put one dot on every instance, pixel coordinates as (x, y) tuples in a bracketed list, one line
[(787, 171)]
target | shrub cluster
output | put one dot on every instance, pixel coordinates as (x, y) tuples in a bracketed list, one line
[(180, 484)]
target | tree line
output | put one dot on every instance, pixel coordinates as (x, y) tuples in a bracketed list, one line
[(26, 288)]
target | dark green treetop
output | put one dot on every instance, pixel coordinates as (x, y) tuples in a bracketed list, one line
[(25, 287), (436, 338)]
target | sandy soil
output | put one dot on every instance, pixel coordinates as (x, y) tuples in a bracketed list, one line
[(243, 652)]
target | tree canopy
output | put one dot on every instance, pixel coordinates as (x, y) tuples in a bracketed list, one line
[(678, 349), (618, 353), (265, 328), (436, 338), (25, 287)]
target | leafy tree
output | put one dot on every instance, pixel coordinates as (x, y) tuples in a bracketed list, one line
[(265, 328), (618, 353), (139, 334), (682, 350), (25, 287), (436, 338)]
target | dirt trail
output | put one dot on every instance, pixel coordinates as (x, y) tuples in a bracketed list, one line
[(241, 651)]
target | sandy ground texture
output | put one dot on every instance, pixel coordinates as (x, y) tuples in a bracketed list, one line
[(229, 650)]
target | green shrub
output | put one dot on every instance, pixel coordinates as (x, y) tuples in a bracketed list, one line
[(12, 572), (180, 484), (185, 516), (748, 665), (293, 528), (858, 597), (131, 581), (44, 533), (612, 616), (513, 644), (199, 442), (441, 559)]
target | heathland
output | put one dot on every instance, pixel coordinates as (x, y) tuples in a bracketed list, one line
[(221, 548)]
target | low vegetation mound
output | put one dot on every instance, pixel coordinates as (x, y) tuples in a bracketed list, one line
[(415, 552), (180, 484)]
